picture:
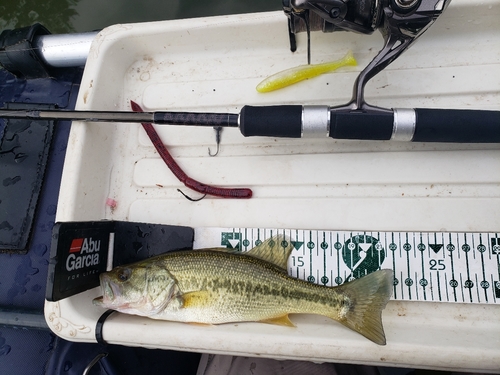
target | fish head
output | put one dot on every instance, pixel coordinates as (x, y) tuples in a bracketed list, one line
[(141, 289)]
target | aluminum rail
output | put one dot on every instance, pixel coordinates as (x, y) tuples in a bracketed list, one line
[(23, 318)]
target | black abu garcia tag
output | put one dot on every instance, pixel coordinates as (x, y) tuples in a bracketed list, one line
[(78, 254), (81, 251)]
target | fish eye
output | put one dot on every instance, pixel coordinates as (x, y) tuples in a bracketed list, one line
[(124, 274)]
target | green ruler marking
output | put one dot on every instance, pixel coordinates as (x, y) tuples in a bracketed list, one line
[(428, 266)]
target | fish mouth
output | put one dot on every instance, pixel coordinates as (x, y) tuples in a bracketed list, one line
[(98, 301), (108, 291)]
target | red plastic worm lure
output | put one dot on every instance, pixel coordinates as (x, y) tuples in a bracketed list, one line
[(200, 187)]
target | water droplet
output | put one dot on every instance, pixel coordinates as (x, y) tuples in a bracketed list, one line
[(67, 366), (51, 210), (141, 233), (11, 181), (4, 349), (19, 126), (21, 278), (40, 249), (6, 225), (36, 288), (137, 246), (19, 158)]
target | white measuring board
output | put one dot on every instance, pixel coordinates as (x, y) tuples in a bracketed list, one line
[(437, 266)]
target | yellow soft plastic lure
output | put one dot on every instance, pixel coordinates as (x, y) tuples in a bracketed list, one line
[(290, 76)]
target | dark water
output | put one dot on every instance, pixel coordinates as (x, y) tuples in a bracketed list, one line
[(64, 16)]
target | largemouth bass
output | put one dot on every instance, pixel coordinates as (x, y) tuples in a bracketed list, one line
[(213, 286), (293, 75)]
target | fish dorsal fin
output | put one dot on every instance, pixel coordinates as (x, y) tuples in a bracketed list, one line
[(275, 250)]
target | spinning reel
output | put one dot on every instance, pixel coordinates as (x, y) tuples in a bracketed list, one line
[(401, 22)]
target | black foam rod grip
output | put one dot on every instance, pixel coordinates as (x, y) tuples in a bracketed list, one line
[(358, 124), (271, 121), (457, 125)]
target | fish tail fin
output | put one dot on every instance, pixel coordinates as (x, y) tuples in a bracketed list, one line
[(367, 297)]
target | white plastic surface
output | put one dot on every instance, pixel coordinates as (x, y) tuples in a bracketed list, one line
[(214, 64)]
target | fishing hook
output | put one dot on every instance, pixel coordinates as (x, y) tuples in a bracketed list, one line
[(87, 369), (180, 174), (218, 131), (188, 197)]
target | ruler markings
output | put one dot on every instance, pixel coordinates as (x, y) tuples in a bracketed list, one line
[(474, 262), (477, 290), (408, 280), (461, 288), (467, 282), (453, 283), (338, 248), (310, 258), (496, 250), (494, 294), (392, 249), (429, 266), (482, 249), (413, 252), (432, 287)]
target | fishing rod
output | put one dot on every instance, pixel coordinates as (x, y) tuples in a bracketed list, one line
[(297, 121), (401, 22)]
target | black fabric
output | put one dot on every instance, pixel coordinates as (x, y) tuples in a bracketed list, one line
[(24, 351), (17, 52), (24, 151), (23, 277), (69, 358)]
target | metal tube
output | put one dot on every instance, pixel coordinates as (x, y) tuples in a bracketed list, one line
[(22, 318), (64, 50)]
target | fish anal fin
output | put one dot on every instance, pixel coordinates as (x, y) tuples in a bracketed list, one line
[(201, 298), (200, 324), (283, 320)]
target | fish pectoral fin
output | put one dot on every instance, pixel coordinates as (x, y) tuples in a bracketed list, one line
[(283, 320), (200, 298)]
